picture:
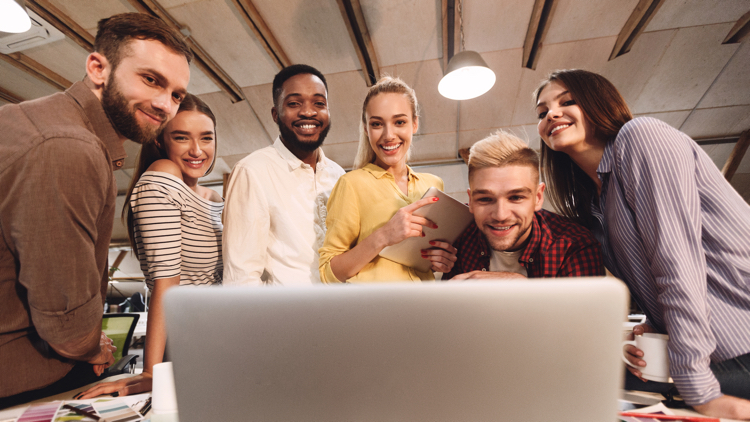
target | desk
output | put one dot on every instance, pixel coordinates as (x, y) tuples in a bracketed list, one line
[(13, 413), (642, 397)]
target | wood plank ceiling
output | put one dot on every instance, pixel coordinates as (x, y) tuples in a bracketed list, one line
[(684, 61)]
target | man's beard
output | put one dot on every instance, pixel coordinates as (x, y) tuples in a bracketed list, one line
[(289, 136), (123, 119)]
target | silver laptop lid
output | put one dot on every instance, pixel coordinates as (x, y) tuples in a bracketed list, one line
[(485, 351)]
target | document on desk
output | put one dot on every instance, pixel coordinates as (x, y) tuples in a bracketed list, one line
[(42, 412), (116, 410)]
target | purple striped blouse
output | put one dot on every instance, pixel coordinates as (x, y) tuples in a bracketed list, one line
[(679, 235)]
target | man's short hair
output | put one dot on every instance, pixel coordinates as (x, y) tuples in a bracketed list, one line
[(114, 33), (293, 70), (499, 150)]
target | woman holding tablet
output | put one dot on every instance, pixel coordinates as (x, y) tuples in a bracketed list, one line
[(670, 226), (174, 224), (372, 206)]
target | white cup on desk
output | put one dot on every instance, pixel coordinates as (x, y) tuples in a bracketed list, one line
[(164, 405), (654, 347)]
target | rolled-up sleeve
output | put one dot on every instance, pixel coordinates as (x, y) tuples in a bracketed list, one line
[(64, 187), (658, 174), (343, 227)]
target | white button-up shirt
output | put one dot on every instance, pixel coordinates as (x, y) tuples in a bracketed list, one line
[(274, 217)]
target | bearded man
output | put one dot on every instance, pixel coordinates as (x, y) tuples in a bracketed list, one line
[(275, 209), (57, 191)]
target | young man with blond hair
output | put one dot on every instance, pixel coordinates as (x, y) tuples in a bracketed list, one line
[(512, 236)]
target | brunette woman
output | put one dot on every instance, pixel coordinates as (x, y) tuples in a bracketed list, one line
[(174, 224), (670, 226)]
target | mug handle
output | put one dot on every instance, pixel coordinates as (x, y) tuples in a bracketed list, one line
[(631, 342)]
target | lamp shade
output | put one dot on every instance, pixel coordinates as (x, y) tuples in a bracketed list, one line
[(467, 76), (13, 16)]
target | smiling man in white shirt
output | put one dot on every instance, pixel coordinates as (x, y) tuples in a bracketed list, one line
[(275, 212)]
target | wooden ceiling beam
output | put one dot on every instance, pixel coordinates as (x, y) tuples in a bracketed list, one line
[(736, 156), (255, 21), (202, 59), (739, 31), (32, 67), (47, 11), (541, 17), (637, 22), (451, 36), (8, 96), (351, 11)]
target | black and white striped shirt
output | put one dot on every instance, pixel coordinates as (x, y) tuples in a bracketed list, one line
[(177, 232), (679, 235)]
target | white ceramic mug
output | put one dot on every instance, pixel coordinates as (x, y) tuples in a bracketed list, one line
[(654, 347)]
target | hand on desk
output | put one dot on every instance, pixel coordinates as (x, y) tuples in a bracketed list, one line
[(104, 359), (442, 255), (634, 354), (140, 383), (728, 407)]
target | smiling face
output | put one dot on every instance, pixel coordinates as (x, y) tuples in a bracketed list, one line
[(190, 142), (145, 89), (302, 112), (562, 125), (390, 127), (503, 201)]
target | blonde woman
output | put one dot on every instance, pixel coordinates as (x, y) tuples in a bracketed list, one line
[(372, 206)]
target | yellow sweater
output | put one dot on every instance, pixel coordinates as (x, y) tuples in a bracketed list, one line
[(361, 202)]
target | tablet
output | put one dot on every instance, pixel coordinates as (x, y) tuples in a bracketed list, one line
[(451, 216)]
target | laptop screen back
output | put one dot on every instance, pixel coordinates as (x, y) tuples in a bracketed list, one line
[(486, 351)]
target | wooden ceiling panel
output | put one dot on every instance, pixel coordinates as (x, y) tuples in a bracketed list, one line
[(433, 147), (404, 31), (741, 183), (261, 101), (312, 33), (527, 133), (630, 72), (717, 122), (438, 113), (21, 84), (732, 87), (687, 69), (237, 129), (683, 13), (64, 57), (673, 118), (214, 25), (589, 54), (495, 108), (455, 177), (87, 13), (583, 19), (496, 25), (346, 92), (199, 82)]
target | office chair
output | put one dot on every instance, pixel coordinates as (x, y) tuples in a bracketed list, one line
[(120, 327)]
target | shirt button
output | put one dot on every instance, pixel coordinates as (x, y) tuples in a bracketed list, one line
[(531, 259), (118, 163), (481, 253), (484, 269)]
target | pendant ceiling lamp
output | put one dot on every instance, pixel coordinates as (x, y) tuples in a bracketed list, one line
[(467, 75), (13, 16)]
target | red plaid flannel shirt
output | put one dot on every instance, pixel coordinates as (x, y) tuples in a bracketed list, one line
[(557, 247)]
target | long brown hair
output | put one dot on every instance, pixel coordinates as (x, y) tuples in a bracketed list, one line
[(153, 150), (570, 189)]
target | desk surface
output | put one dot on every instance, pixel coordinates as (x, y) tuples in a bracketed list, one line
[(12, 413)]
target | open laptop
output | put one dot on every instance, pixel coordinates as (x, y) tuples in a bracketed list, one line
[(476, 351)]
